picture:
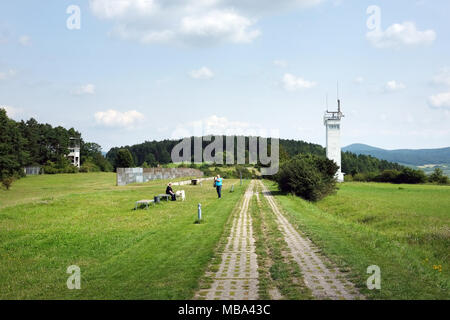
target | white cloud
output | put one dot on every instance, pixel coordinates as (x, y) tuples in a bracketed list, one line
[(226, 25), (441, 100), (197, 22), (393, 85), (114, 118), (5, 75), (25, 40), (293, 83), (359, 80), (215, 125), (280, 63), (397, 35), (221, 125), (84, 89), (202, 73), (442, 78)]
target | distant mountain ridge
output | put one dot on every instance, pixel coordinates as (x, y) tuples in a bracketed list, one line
[(417, 157)]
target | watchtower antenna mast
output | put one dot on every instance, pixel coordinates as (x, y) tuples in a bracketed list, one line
[(338, 100), (335, 114)]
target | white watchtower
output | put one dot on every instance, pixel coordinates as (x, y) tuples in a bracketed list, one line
[(74, 152), (332, 121)]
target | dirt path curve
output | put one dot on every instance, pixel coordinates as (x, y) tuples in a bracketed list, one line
[(237, 277), (325, 282)]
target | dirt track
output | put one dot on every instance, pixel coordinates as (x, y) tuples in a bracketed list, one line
[(237, 277), (325, 282)]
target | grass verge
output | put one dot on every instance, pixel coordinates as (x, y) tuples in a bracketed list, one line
[(123, 254), (402, 229)]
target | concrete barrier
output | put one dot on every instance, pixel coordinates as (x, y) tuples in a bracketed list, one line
[(126, 176), (183, 183)]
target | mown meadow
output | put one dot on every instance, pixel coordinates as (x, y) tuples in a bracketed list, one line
[(403, 229), (50, 222)]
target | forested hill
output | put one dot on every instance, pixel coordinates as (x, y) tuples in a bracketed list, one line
[(152, 153), (28, 142)]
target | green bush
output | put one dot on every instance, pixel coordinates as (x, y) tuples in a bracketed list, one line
[(360, 177), (411, 176), (89, 166), (407, 175), (388, 176), (193, 166), (308, 176), (7, 181), (246, 174), (438, 177), (61, 166)]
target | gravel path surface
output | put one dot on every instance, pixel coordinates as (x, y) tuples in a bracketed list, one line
[(237, 277), (325, 282)]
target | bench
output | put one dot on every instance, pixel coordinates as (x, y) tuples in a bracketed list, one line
[(165, 196), (141, 202)]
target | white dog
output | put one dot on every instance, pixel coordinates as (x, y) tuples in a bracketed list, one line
[(181, 194)]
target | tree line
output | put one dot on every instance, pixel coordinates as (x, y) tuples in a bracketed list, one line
[(30, 143), (153, 153)]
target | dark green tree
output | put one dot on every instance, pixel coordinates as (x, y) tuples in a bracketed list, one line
[(438, 177), (411, 176), (13, 155), (124, 159), (309, 176), (151, 160)]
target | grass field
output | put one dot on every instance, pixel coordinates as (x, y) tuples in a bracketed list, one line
[(50, 222), (404, 229)]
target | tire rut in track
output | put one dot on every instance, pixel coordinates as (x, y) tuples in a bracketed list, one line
[(325, 282), (237, 277)]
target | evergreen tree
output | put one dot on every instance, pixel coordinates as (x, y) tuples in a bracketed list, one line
[(124, 159), (12, 153), (438, 176)]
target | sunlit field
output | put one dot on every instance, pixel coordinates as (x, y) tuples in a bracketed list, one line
[(51, 222), (404, 229)]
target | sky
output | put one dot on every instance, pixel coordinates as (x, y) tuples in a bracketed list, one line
[(125, 71)]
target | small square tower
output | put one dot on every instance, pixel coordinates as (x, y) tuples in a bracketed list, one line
[(332, 122), (74, 152)]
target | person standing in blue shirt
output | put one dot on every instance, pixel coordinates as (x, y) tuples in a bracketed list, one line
[(218, 181)]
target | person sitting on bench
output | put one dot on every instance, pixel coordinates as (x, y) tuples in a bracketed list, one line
[(169, 190)]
